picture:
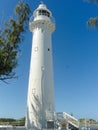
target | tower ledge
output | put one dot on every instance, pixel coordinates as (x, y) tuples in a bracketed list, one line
[(33, 24)]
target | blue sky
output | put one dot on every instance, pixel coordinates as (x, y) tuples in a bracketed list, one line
[(75, 56)]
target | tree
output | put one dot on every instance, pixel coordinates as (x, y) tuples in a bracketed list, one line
[(10, 37), (13, 122), (93, 22)]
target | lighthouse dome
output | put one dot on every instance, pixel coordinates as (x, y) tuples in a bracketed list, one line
[(42, 6), (42, 10)]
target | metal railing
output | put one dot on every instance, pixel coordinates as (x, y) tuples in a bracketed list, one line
[(32, 19), (65, 119)]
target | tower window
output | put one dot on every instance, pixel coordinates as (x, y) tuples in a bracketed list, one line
[(44, 12), (48, 49)]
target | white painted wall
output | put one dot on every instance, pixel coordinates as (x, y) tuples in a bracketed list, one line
[(40, 104)]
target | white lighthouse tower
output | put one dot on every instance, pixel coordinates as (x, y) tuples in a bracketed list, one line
[(40, 103)]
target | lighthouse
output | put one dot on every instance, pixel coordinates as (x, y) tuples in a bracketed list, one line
[(40, 98)]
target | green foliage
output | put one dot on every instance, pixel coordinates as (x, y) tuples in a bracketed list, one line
[(22, 119), (13, 122), (88, 122), (10, 38), (93, 22), (7, 120)]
